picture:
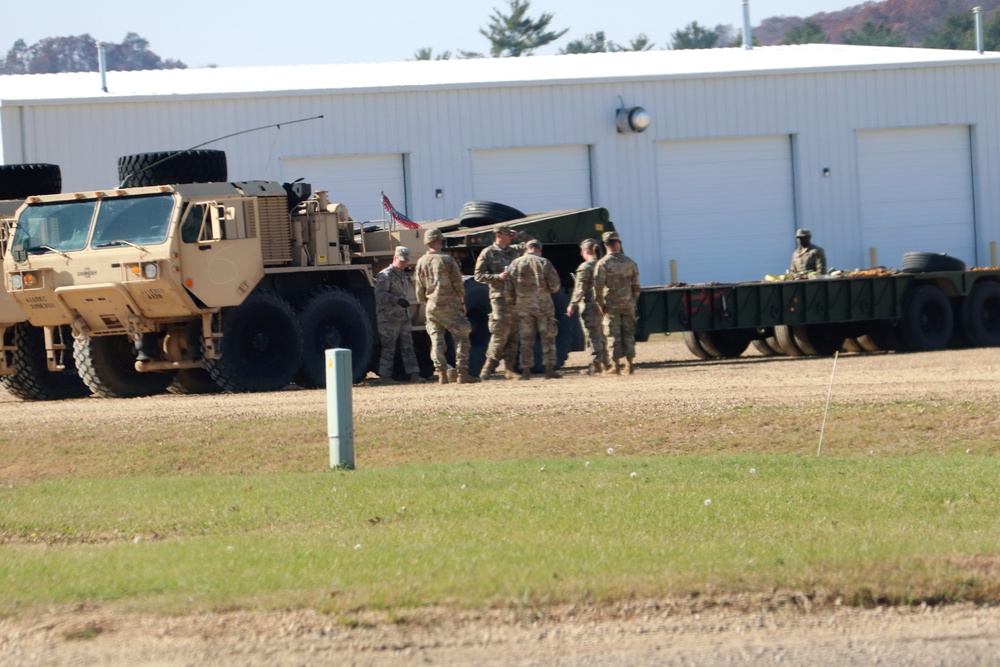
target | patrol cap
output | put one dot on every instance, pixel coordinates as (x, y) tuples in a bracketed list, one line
[(504, 228), (588, 243), (534, 243), (803, 233), (610, 236), (403, 252), (432, 235)]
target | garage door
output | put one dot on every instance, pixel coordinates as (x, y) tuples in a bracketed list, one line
[(726, 207), (354, 180), (916, 192), (533, 179)]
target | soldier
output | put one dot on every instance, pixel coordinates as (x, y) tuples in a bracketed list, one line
[(807, 257), (491, 269), (439, 285), (392, 309), (531, 282), (616, 290), (582, 302)]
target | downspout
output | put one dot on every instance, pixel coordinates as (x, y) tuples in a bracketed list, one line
[(978, 13), (102, 65), (747, 37)]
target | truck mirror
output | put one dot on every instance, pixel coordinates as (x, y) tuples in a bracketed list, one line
[(19, 254)]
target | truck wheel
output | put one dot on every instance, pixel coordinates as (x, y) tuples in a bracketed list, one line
[(32, 380), (822, 340), (190, 381), (694, 345), (786, 339), (981, 315), (564, 334), (725, 344), (763, 348), (18, 181), (479, 213), (923, 262), (261, 346), (927, 320), (172, 167), (332, 318), (107, 366)]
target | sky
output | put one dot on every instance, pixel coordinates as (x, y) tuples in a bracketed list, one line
[(223, 33)]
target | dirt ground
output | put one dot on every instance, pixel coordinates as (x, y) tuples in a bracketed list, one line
[(740, 631)]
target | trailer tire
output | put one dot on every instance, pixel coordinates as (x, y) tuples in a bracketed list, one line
[(564, 334), (192, 381), (694, 345), (107, 365), (18, 181), (172, 167), (725, 343), (477, 311), (981, 315), (821, 340), (330, 318), (32, 380), (927, 320), (925, 262), (261, 345), (880, 336), (763, 349), (786, 339), (479, 213)]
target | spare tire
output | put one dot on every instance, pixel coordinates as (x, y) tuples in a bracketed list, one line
[(18, 181), (479, 213), (925, 262), (172, 167)]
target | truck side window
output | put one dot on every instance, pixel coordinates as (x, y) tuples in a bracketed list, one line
[(194, 223)]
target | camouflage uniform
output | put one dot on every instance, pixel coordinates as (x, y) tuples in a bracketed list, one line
[(391, 289), (439, 285), (810, 258), (493, 261), (590, 317), (616, 289), (531, 282)]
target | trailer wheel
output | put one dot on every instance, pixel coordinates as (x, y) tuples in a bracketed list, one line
[(694, 345), (477, 310), (172, 167), (261, 346), (479, 213), (32, 380), (18, 181), (107, 366), (725, 344), (786, 339), (880, 336), (190, 381), (332, 318), (821, 340), (924, 262), (927, 320), (564, 334), (981, 315), (763, 348)]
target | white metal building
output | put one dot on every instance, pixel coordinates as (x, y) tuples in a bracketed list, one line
[(886, 148)]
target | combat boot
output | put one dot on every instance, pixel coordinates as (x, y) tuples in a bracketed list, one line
[(488, 369), (629, 368), (599, 367), (442, 375), (465, 378), (415, 378), (613, 368), (526, 374), (508, 370), (550, 373)]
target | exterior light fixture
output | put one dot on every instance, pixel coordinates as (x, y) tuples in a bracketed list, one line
[(632, 119)]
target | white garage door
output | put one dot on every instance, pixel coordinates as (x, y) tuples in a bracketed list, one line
[(916, 192), (354, 180), (533, 180), (727, 207)]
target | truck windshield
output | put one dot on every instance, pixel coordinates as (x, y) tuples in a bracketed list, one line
[(132, 221), (60, 227)]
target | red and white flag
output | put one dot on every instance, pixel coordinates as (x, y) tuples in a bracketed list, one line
[(396, 216)]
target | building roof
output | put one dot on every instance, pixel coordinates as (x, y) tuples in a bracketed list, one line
[(77, 87)]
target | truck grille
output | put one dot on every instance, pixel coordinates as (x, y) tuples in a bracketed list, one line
[(275, 230)]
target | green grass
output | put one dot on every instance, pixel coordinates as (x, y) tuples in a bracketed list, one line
[(522, 531)]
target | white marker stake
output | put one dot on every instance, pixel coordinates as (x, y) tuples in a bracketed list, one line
[(829, 393), (339, 408)]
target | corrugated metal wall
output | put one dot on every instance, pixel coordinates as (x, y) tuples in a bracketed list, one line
[(438, 130)]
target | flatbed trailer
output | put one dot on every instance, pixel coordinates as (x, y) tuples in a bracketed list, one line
[(867, 311)]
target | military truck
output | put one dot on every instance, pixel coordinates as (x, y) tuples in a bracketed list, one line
[(235, 286)]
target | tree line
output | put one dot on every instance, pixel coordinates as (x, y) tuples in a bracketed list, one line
[(79, 54)]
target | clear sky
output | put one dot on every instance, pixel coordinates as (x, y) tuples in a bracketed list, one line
[(255, 32)]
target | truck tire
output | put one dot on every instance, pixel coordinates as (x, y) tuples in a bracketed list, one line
[(172, 167), (694, 345), (422, 348), (261, 345), (479, 213), (726, 343), (821, 340), (763, 348), (18, 181), (191, 381), (981, 315), (786, 339), (332, 318), (107, 365), (477, 310), (564, 334), (927, 320), (924, 262), (32, 380)]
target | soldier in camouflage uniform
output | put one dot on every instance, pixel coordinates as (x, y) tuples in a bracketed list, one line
[(807, 257), (531, 282), (616, 290), (392, 310), (439, 285), (582, 303), (491, 269)]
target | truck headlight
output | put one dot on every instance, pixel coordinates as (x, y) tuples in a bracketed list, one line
[(16, 282), (150, 271)]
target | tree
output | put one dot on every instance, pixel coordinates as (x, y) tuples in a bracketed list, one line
[(638, 43), (516, 34), (79, 54), (809, 32), (595, 43), (873, 35), (427, 53), (694, 36), (957, 32)]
